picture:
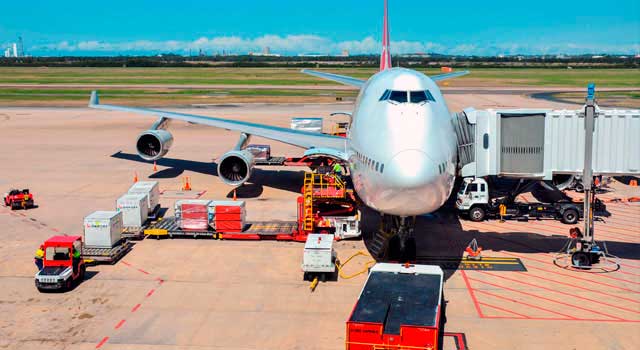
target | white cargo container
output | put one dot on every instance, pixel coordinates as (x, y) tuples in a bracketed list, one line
[(102, 229), (151, 189), (134, 208), (307, 124)]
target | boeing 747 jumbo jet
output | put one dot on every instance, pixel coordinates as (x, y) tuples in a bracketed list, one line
[(400, 148)]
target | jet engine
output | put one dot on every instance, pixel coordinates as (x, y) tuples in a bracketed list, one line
[(235, 167), (154, 144)]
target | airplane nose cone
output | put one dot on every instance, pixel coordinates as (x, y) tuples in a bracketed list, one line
[(411, 169)]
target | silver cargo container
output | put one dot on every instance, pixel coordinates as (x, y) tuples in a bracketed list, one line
[(260, 152), (307, 124), (102, 229), (134, 208), (151, 189)]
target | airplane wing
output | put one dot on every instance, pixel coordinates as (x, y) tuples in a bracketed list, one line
[(446, 76), (342, 79), (298, 138)]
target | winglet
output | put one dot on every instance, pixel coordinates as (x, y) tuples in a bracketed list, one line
[(94, 100)]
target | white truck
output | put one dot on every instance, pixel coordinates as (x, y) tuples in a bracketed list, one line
[(475, 201)]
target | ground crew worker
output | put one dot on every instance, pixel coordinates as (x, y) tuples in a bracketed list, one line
[(338, 169), (75, 259), (38, 257)]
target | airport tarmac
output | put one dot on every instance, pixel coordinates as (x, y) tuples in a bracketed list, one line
[(207, 294)]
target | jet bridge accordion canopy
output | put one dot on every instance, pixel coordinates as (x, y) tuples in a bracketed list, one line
[(540, 143)]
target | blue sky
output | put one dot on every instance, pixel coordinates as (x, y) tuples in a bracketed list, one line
[(290, 27)]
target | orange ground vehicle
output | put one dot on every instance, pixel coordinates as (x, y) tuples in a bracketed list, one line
[(61, 270)]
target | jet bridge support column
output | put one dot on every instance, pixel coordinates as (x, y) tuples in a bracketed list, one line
[(587, 252)]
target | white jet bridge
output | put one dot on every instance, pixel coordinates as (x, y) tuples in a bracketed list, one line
[(541, 143)]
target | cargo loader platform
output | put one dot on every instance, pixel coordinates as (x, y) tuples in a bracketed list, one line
[(256, 230), (95, 255)]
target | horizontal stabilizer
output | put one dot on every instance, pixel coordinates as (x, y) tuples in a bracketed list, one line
[(342, 79), (446, 76)]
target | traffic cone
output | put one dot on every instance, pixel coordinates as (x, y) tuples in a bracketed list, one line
[(473, 250), (186, 184), (633, 183), (155, 166), (135, 177), (235, 196)]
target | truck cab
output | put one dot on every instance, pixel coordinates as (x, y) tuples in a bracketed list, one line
[(473, 193), (61, 271)]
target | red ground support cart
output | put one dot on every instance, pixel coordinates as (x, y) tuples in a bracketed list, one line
[(16, 199), (399, 308)]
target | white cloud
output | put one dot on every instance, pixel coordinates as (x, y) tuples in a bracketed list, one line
[(308, 43)]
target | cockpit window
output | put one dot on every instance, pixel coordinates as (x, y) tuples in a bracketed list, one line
[(421, 96), (385, 96), (398, 96), (407, 96)]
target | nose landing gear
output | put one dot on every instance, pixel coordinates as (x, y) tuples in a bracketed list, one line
[(395, 240)]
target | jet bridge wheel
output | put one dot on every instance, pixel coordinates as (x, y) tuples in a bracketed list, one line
[(581, 260)]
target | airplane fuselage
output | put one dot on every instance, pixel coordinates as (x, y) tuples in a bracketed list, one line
[(402, 149)]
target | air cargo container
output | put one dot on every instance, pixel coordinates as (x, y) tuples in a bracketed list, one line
[(151, 189), (134, 208), (103, 229), (307, 124), (193, 214)]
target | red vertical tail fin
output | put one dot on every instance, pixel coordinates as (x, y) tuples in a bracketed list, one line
[(385, 57)]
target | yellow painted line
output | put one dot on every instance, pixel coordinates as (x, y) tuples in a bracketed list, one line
[(156, 232)]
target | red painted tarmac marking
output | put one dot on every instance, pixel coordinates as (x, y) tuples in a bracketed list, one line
[(559, 292), (460, 340), (505, 310), (143, 271), (101, 343), (599, 276), (584, 279), (528, 274), (201, 194), (548, 299), (135, 308), (568, 317), (150, 292), (471, 293), (120, 324), (55, 230)]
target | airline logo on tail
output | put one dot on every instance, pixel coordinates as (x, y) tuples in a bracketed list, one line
[(385, 57)]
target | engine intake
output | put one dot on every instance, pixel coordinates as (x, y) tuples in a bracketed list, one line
[(154, 144), (235, 167)]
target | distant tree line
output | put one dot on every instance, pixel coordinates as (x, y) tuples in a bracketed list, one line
[(366, 61)]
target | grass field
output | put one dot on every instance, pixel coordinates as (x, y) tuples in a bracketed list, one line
[(248, 84)]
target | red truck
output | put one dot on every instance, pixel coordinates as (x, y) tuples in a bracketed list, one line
[(399, 308), (61, 270), (18, 199)]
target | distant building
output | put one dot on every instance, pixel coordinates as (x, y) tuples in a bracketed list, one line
[(15, 50), (7, 52), (266, 51), (345, 53)]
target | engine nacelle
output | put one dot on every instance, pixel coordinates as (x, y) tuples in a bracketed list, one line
[(235, 167), (154, 144)]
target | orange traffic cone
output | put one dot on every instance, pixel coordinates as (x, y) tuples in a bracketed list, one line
[(633, 183), (155, 166), (186, 186), (596, 181), (235, 196), (135, 177)]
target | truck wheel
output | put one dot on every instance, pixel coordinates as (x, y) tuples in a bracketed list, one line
[(476, 214), (570, 217)]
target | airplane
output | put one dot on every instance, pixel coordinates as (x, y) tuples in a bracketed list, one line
[(401, 147)]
